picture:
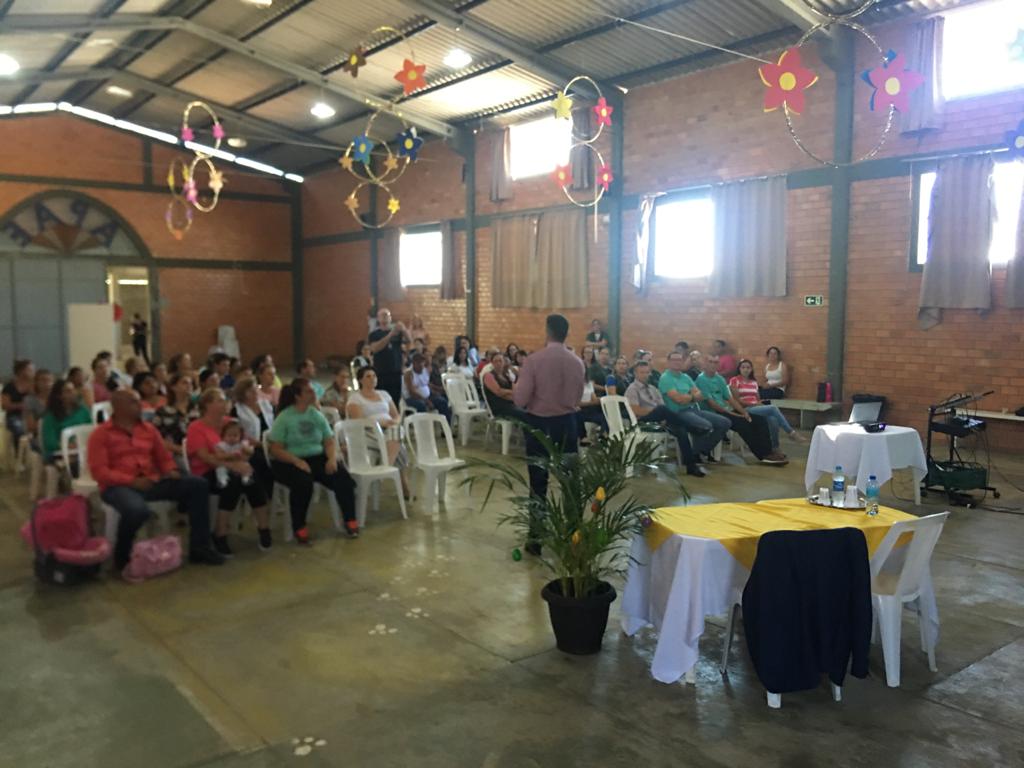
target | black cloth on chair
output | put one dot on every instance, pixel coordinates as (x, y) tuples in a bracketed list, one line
[(807, 608)]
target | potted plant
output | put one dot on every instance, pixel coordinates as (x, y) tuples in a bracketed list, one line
[(585, 524)]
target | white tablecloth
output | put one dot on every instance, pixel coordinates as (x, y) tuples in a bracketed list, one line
[(861, 454), (686, 579)]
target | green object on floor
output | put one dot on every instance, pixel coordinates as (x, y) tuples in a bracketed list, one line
[(517, 555)]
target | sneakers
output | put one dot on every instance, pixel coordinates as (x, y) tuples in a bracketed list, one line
[(696, 470), (220, 543), (352, 529), (208, 556), (302, 537), (265, 541), (775, 459)]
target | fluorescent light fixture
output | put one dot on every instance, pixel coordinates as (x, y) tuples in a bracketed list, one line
[(259, 166), (90, 114), (6, 110), (210, 151), (144, 131), (457, 59), (117, 90), (294, 177), (42, 106), (321, 111), (238, 142), (259, 3), (8, 64), (99, 42), (132, 281)]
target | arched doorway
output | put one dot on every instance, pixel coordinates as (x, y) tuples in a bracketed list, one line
[(58, 248)]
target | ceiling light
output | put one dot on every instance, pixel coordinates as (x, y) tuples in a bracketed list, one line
[(321, 110), (99, 42), (42, 106), (8, 64), (259, 3), (117, 90), (457, 59), (132, 281), (237, 142)]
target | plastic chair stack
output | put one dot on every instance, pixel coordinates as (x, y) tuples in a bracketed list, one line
[(464, 402)]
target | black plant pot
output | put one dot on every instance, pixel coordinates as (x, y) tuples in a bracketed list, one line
[(579, 623)]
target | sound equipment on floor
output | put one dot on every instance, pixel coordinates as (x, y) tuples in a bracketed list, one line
[(953, 475)]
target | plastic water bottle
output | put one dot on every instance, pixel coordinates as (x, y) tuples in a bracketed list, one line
[(838, 487), (871, 493)]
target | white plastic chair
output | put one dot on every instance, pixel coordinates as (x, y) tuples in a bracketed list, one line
[(507, 427), (360, 436), (281, 499), (7, 447), (423, 444), (464, 402), (611, 407), (892, 588), (333, 415), (106, 409)]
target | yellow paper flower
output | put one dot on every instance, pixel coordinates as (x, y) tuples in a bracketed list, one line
[(563, 106), (393, 205)]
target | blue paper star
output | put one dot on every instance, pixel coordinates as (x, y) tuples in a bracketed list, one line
[(1016, 48), (1015, 141), (362, 146), (409, 144)]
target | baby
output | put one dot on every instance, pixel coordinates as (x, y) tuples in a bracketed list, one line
[(234, 445)]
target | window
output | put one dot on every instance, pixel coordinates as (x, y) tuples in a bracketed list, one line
[(538, 146), (684, 237), (419, 258), (976, 56), (1008, 181)]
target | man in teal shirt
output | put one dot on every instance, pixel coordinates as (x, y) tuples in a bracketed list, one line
[(719, 400), (683, 397)]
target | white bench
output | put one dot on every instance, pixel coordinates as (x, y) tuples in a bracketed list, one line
[(806, 408), (995, 415)]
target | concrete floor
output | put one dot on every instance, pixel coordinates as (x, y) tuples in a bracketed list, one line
[(236, 667)]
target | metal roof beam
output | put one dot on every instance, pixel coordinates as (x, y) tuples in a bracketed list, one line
[(64, 23)]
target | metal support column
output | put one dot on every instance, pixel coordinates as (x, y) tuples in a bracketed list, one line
[(371, 218), (614, 319), (469, 155), (298, 316)]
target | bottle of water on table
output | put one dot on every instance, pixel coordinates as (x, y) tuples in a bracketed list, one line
[(838, 487), (871, 494)]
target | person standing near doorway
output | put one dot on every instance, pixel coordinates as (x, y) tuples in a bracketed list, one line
[(386, 344), (549, 389), (140, 335)]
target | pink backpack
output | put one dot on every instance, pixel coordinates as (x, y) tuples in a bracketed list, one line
[(154, 557)]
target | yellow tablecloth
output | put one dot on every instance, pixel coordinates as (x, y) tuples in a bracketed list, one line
[(740, 526)]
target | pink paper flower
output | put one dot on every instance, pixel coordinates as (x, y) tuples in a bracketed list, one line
[(893, 83), (187, 134)]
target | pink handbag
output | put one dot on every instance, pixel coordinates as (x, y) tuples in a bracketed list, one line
[(154, 557)]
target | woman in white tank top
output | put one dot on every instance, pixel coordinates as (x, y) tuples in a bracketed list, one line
[(368, 402), (776, 376)]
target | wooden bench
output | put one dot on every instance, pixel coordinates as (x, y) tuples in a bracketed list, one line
[(995, 415), (806, 408)]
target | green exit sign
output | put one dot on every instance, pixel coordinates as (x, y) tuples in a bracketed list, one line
[(814, 301)]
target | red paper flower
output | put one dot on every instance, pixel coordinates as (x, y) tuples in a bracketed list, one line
[(786, 82), (411, 76), (355, 60), (603, 112), (562, 175), (604, 176), (893, 83)]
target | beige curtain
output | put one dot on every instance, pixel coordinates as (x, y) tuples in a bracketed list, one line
[(642, 262), (924, 55), (581, 157), (957, 274), (1015, 269), (452, 286), (560, 278), (750, 239), (501, 168), (389, 282), (513, 253)]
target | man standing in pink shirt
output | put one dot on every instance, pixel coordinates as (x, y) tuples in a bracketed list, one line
[(549, 389)]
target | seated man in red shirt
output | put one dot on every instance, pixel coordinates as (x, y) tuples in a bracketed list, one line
[(131, 464)]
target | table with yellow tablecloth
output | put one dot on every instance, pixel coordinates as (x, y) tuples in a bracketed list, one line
[(694, 561)]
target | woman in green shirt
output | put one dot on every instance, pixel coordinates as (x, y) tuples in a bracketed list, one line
[(63, 410), (304, 452)]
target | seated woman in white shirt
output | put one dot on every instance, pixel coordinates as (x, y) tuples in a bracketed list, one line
[(460, 363), (368, 402), (255, 415), (744, 387), (776, 376)]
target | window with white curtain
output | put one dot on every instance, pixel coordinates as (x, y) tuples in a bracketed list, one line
[(538, 146), (419, 258), (976, 49), (684, 237), (1008, 186)]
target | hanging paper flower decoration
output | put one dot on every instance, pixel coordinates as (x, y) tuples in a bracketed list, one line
[(893, 83), (562, 175), (409, 144), (411, 76), (604, 176), (1015, 140), (603, 112), (218, 132), (187, 134), (390, 163), (563, 106), (362, 146), (216, 181), (355, 60), (393, 205), (786, 82), (1017, 47), (191, 192), (345, 161), (352, 203)]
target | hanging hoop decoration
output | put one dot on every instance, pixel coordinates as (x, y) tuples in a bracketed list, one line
[(563, 104), (841, 17), (178, 217), (172, 178), (189, 134), (352, 203), (216, 184), (360, 150)]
